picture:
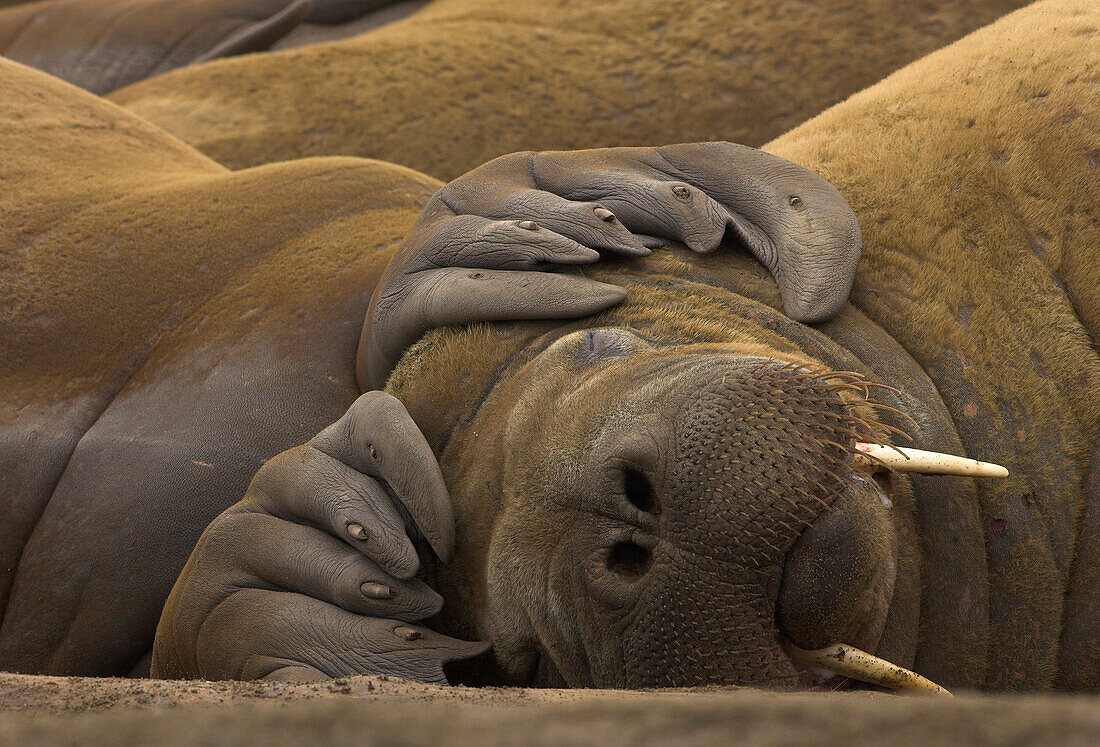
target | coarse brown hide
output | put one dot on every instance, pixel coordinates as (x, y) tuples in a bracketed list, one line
[(974, 173), (168, 326), (463, 81)]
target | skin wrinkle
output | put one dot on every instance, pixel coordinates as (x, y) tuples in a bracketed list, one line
[(60, 475)]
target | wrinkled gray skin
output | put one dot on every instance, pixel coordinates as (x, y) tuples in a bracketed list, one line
[(620, 200), (102, 45), (314, 573), (318, 522)]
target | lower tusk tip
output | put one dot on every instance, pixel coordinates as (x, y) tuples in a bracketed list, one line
[(849, 661)]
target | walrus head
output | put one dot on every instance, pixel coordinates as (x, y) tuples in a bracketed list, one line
[(678, 514), (674, 493)]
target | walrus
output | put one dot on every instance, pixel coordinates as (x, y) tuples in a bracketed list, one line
[(670, 493), (141, 279), (463, 81), (251, 364), (101, 45)]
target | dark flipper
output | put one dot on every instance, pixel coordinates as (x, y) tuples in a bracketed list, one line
[(520, 215), (312, 574), (102, 45)]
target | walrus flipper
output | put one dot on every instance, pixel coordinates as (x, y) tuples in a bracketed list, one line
[(101, 45), (482, 247), (313, 574)]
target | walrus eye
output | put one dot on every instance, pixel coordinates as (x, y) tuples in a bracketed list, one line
[(601, 344), (795, 200), (639, 491)]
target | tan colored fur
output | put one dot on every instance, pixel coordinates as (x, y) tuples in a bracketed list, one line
[(463, 81), (133, 268)]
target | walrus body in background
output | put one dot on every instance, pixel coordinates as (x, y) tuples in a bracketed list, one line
[(101, 45), (463, 81)]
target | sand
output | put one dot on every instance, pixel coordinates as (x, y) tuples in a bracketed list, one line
[(379, 710)]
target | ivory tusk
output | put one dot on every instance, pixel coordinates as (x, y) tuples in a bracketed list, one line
[(901, 459), (851, 662)]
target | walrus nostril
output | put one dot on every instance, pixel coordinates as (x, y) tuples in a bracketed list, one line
[(628, 559), (639, 491)]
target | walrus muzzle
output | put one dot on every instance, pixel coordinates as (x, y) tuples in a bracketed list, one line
[(763, 455)]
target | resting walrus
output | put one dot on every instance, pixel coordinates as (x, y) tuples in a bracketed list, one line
[(632, 492), (148, 321), (210, 384)]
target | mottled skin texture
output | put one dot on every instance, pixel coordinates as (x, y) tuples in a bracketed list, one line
[(499, 76)]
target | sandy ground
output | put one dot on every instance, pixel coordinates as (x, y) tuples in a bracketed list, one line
[(373, 710)]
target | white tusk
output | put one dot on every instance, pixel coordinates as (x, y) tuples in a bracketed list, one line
[(851, 662), (901, 459)]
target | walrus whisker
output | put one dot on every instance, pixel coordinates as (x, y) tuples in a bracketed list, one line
[(849, 661), (929, 462), (853, 381), (883, 387), (871, 458), (896, 431), (899, 413), (824, 505)]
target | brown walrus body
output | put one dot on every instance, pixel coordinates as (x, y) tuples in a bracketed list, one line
[(146, 307), (977, 298), (173, 385), (463, 81)]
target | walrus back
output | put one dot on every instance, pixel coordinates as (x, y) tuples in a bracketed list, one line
[(155, 303), (463, 81)]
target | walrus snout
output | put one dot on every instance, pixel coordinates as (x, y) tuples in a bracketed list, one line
[(760, 474)]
